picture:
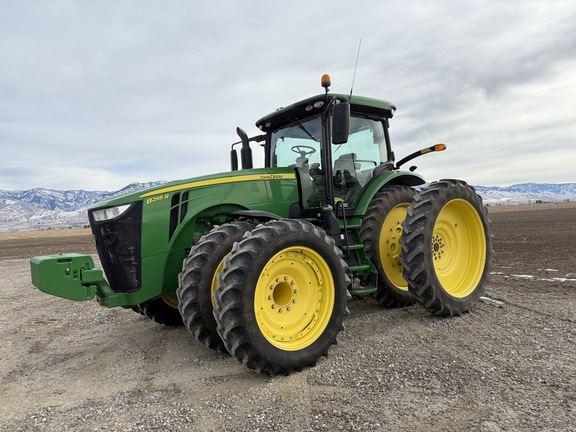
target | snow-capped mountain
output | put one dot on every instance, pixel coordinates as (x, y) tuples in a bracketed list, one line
[(46, 208), (527, 193)]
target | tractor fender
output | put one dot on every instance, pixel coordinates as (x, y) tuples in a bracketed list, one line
[(189, 231), (262, 216), (406, 178)]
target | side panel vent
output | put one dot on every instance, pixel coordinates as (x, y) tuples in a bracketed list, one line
[(174, 207)]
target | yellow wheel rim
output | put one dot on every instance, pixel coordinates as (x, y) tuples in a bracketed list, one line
[(171, 300), (459, 248), (294, 298), (389, 246), (214, 286)]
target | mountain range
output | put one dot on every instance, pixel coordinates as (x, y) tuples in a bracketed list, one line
[(55, 209)]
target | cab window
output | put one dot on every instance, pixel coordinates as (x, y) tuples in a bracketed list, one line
[(297, 144), (354, 161)]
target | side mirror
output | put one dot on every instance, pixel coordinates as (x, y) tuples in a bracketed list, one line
[(340, 123)]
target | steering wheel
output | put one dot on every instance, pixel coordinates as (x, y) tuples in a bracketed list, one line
[(303, 150)]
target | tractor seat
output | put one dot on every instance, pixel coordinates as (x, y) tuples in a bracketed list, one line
[(345, 171), (346, 182)]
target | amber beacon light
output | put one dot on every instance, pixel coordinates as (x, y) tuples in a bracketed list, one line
[(440, 147)]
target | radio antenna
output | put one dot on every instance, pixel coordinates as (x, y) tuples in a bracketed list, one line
[(355, 67)]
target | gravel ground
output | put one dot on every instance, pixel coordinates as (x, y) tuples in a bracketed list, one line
[(509, 365)]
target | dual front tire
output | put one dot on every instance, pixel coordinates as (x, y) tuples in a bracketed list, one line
[(282, 297), (274, 297)]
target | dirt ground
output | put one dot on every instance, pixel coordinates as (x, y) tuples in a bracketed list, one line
[(509, 365)]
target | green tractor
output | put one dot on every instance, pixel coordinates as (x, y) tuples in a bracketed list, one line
[(261, 262)]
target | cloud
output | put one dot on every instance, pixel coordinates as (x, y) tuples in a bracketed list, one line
[(96, 95)]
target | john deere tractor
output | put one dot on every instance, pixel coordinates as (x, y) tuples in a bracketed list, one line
[(261, 262)]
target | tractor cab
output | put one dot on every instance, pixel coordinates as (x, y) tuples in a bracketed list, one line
[(335, 143), (329, 172)]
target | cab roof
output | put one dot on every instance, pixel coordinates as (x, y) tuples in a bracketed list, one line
[(315, 104)]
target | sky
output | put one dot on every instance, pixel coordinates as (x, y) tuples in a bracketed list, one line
[(96, 95)]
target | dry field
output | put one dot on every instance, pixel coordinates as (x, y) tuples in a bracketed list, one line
[(509, 365)]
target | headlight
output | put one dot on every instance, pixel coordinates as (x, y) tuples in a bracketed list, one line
[(109, 213)]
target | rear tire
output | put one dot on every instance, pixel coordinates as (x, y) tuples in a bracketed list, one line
[(380, 233), (163, 310), (447, 247), (282, 297), (197, 282)]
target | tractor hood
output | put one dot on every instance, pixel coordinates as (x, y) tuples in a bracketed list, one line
[(138, 233), (155, 192)]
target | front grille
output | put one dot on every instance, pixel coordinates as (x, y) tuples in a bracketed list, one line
[(118, 242)]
